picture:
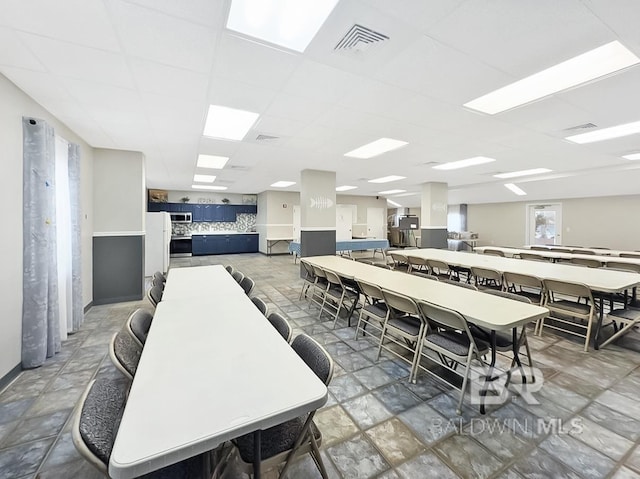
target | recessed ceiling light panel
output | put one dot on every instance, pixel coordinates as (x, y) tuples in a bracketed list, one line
[(618, 131), (289, 24), (345, 188), (516, 174), (387, 179), (208, 187), (283, 184), (632, 156), (376, 148), (204, 178), (518, 191), (454, 165), (228, 123), (393, 203), (212, 161), (589, 66), (390, 192)]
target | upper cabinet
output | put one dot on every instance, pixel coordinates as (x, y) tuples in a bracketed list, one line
[(205, 212)]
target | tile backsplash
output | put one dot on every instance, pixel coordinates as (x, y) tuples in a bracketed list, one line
[(245, 222)]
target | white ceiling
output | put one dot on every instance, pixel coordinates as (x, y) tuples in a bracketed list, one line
[(140, 74)]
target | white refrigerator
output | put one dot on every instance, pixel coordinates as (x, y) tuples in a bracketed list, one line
[(156, 243)]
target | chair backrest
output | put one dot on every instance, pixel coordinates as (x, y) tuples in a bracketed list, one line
[(238, 276), (398, 259), (319, 272), (532, 257), (561, 250), (370, 290), (154, 295), (310, 275), (494, 252), (315, 356), (333, 278), (519, 279), (422, 274), (577, 290), (400, 302), (461, 284), (159, 276), (247, 285), (486, 273), (539, 248), (438, 267), (623, 266), (416, 262), (229, 268), (582, 251), (445, 317), (260, 304), (97, 419), (138, 325), (508, 295), (589, 263), (630, 255), (281, 324), (125, 353), (158, 282)]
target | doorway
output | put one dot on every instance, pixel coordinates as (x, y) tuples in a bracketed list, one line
[(544, 224)]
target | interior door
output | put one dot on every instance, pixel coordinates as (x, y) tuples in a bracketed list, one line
[(344, 222), (545, 224), (376, 223)]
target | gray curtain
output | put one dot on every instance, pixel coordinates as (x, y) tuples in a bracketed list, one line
[(40, 312), (76, 222)]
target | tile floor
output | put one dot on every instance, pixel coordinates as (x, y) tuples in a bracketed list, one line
[(375, 424)]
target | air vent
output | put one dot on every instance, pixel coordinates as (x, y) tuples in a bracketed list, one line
[(585, 126), (266, 138), (239, 168), (359, 37), (225, 182)]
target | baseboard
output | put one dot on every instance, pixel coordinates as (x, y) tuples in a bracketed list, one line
[(10, 376), (88, 307), (121, 299), (274, 254)]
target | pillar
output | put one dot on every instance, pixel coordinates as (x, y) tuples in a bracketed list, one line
[(317, 213), (433, 221)]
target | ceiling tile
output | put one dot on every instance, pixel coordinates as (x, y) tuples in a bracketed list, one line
[(158, 79), (205, 12), (14, 54)]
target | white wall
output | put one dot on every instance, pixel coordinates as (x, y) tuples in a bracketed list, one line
[(14, 105), (206, 197), (609, 221), (119, 191), (275, 218)]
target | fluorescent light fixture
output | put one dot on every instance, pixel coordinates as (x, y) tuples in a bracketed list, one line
[(632, 156), (515, 189), (625, 129), (393, 203), (454, 165), (204, 178), (208, 187), (390, 192), (516, 174), (376, 148), (290, 24), (228, 123), (584, 68), (212, 161), (406, 194), (387, 179), (345, 188), (283, 184)]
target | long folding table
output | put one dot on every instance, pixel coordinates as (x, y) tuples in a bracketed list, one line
[(600, 280), (212, 369), (598, 251), (556, 256)]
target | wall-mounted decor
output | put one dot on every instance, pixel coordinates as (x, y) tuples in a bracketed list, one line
[(158, 196), (249, 199)]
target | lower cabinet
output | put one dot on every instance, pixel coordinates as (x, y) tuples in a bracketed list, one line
[(224, 244)]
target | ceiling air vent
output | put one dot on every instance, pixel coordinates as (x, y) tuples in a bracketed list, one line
[(585, 126), (239, 168), (266, 138), (359, 38)]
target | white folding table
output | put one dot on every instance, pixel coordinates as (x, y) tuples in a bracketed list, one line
[(200, 282), (212, 369), (602, 280), (558, 255)]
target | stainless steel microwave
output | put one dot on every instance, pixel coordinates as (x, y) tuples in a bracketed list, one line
[(184, 217)]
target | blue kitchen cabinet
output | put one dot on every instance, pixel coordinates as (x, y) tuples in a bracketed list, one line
[(199, 245)]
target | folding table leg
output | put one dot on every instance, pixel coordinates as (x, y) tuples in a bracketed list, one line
[(257, 456), (489, 376)]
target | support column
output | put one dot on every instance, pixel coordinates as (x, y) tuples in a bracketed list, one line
[(433, 224), (317, 213)]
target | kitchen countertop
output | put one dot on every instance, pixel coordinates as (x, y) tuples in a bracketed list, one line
[(211, 233)]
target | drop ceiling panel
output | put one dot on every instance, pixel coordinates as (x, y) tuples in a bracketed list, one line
[(204, 12), (155, 78), (525, 36), (162, 38), (14, 54), (84, 22), (42, 87), (418, 13), (320, 82), (296, 108), (235, 94), (64, 59), (253, 63)]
